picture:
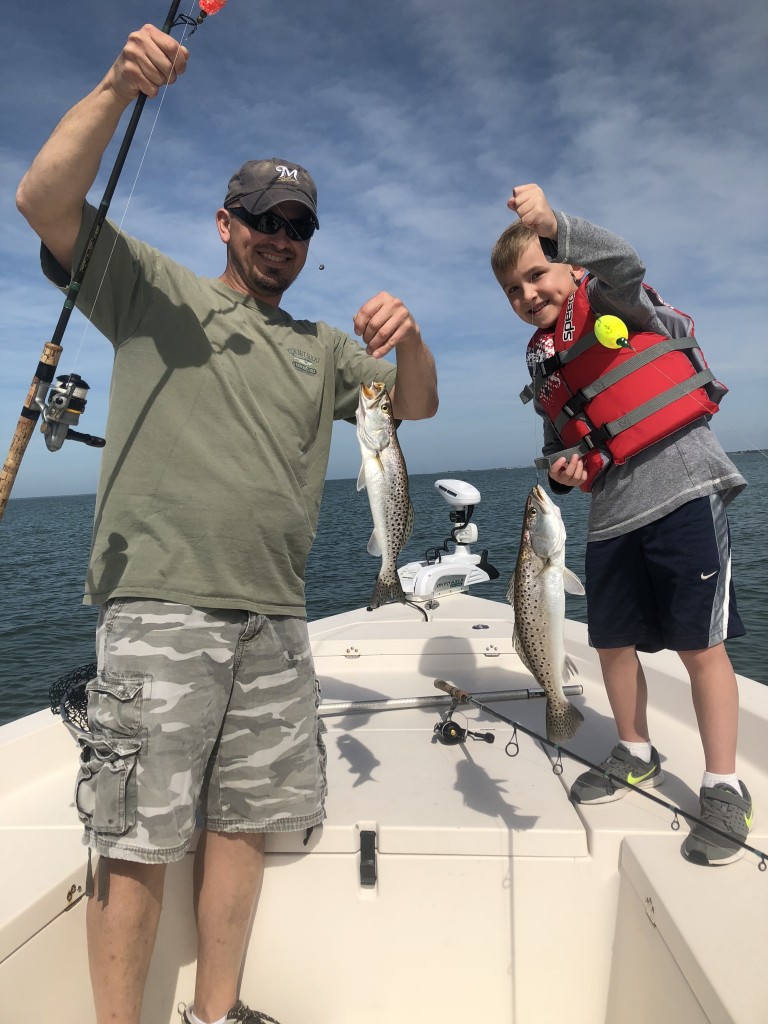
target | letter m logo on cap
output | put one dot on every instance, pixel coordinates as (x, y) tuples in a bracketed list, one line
[(286, 172)]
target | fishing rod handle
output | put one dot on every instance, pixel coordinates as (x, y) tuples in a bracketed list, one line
[(49, 360), (452, 691)]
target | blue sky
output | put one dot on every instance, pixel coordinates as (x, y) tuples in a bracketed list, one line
[(416, 120)]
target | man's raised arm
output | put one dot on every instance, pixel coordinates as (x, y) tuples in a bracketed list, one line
[(52, 192)]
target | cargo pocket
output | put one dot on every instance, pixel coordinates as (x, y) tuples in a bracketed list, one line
[(106, 789), (114, 704)]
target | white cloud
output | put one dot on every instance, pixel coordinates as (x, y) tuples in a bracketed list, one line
[(416, 127)]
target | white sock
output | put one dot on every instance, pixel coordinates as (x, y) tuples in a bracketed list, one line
[(194, 1019), (710, 779), (641, 750)]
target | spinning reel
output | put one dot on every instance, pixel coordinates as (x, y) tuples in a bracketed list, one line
[(61, 413), (450, 732)]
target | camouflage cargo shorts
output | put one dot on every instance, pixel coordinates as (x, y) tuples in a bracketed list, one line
[(197, 716)]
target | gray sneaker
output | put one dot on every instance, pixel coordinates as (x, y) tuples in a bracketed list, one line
[(239, 1014), (593, 787), (728, 811)]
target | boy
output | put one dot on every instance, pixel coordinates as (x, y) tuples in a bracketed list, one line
[(658, 571)]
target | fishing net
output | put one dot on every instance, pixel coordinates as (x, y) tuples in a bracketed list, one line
[(68, 697)]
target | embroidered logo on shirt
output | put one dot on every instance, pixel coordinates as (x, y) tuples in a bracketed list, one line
[(303, 361)]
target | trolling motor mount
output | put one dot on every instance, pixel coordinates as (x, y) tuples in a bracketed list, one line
[(445, 571)]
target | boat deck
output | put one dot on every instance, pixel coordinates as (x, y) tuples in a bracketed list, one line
[(495, 899)]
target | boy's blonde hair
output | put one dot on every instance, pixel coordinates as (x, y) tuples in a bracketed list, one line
[(511, 245)]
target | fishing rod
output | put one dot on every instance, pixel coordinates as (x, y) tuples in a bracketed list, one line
[(460, 696), (67, 399), (329, 708), (68, 698)]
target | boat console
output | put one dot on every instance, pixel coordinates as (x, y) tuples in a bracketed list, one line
[(450, 569)]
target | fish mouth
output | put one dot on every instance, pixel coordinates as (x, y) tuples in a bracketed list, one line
[(374, 390), (542, 501)]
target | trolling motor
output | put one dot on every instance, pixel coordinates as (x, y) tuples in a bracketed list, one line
[(61, 413), (448, 570)]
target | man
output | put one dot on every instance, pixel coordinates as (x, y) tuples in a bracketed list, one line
[(217, 444)]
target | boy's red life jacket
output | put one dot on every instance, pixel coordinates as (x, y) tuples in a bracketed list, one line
[(608, 404)]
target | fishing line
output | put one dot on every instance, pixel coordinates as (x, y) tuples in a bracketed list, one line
[(190, 26), (186, 20), (462, 697), (61, 406), (537, 421)]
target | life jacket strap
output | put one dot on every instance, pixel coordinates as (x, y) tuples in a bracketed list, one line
[(636, 361), (551, 364), (547, 461), (599, 435), (659, 402)]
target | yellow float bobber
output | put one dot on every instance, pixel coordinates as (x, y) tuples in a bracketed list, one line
[(612, 332)]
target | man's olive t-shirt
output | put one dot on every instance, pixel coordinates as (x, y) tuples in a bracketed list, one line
[(218, 433)]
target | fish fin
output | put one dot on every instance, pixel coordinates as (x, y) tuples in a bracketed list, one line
[(374, 548), (519, 647), (511, 589), (563, 719), (386, 591), (569, 668), (361, 478), (572, 583), (408, 529)]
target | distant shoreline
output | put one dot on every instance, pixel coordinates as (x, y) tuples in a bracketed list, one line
[(436, 473)]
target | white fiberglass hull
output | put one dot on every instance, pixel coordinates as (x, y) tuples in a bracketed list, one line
[(495, 899)]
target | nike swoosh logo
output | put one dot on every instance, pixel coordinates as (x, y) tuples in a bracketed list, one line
[(748, 820), (709, 575), (634, 779)]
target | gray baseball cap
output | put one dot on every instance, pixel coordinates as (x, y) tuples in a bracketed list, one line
[(261, 184)]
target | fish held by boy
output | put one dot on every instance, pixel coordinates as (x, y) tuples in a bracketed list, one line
[(384, 474), (537, 594)]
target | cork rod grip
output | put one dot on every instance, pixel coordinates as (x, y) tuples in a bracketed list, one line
[(49, 360), (452, 691)]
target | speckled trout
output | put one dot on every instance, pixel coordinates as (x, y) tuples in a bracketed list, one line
[(384, 474), (537, 594)]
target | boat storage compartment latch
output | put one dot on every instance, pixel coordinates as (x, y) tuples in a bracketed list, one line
[(367, 858)]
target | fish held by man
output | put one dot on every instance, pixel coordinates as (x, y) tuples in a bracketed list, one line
[(537, 593), (384, 475)]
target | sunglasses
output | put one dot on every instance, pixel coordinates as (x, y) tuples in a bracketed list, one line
[(270, 223)]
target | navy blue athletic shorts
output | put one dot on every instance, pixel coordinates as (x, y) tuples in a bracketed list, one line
[(665, 585)]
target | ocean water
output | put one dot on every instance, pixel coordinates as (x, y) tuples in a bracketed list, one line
[(46, 632)]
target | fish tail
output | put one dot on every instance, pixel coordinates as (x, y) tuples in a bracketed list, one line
[(563, 719), (386, 590)]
